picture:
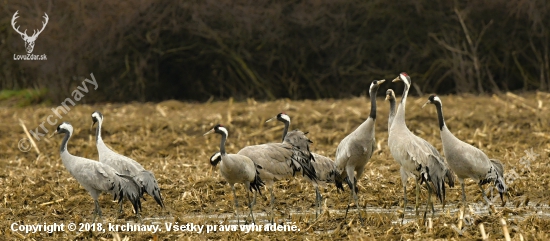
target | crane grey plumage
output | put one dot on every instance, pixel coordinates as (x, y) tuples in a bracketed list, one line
[(356, 149), (97, 177), (466, 160), (417, 157), (125, 165), (282, 160), (324, 167), (237, 169)]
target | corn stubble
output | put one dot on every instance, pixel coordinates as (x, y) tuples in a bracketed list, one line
[(167, 138)]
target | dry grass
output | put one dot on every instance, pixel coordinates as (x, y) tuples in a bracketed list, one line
[(167, 139)]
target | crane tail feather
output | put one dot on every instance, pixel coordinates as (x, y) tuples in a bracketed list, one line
[(132, 190), (150, 185), (257, 183)]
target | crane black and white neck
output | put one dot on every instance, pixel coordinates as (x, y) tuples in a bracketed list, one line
[(325, 168), (97, 177), (356, 149), (390, 96), (466, 160), (237, 169), (417, 157), (124, 164), (215, 159)]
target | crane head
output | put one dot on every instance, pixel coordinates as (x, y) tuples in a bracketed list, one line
[(403, 77), (215, 158), (220, 129), (433, 99), (390, 95), (375, 85), (64, 127), (282, 117), (96, 117)]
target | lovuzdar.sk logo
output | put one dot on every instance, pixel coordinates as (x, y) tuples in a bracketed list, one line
[(29, 40)]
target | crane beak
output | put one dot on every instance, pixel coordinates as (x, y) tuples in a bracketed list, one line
[(387, 97), (92, 127), (271, 119), (427, 102), (210, 131), (396, 79), (53, 134), (381, 81)]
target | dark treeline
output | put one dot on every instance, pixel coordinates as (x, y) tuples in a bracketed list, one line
[(152, 50)]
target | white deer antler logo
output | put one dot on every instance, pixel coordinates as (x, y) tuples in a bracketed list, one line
[(29, 41)]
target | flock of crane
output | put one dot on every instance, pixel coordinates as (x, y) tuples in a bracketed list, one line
[(259, 165)]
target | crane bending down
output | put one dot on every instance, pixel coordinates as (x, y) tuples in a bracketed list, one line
[(282, 160), (466, 160), (97, 177), (324, 167), (356, 149), (236, 169), (125, 165), (417, 157)]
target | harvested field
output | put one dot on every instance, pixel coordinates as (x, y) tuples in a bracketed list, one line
[(167, 138)]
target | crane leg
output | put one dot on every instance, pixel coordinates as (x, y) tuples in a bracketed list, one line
[(404, 198), (354, 196), (254, 200), (272, 201), (429, 203), (404, 202), (463, 195), (417, 204), (318, 200), (250, 205), (236, 204), (349, 202), (358, 208), (350, 171), (357, 200), (433, 209), (97, 211), (120, 209), (404, 178), (484, 196)]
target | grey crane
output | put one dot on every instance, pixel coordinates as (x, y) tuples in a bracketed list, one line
[(356, 149), (324, 167), (236, 169), (466, 160), (390, 96), (417, 157), (97, 177), (125, 165), (282, 160)]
